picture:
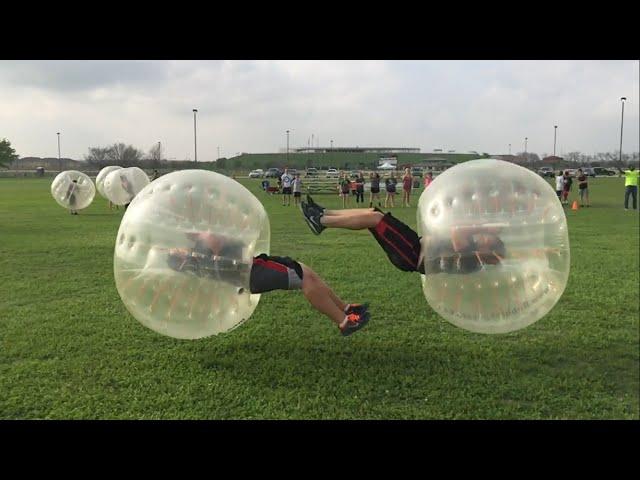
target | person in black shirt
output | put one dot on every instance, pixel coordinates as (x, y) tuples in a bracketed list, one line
[(390, 185), (216, 257), (375, 189), (71, 196), (583, 188), (360, 188)]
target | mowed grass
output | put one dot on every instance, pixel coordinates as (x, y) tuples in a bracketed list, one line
[(70, 350)]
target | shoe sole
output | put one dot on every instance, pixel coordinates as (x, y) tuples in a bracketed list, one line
[(309, 222)]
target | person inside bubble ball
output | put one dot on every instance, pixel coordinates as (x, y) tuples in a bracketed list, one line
[(215, 256), (71, 197), (126, 185), (465, 250)]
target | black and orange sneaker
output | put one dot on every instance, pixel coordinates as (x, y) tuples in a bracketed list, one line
[(312, 217), (358, 308), (354, 322)]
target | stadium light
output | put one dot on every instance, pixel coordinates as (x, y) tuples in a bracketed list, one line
[(195, 144), (555, 131), (59, 159), (287, 148), (622, 99)]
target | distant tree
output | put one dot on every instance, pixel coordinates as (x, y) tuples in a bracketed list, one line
[(221, 163), (124, 155), (98, 156), (573, 157), (7, 153)]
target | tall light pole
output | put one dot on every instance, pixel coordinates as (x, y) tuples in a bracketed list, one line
[(555, 131), (159, 152), (509, 149), (622, 99), (195, 144), (218, 153), (287, 148), (525, 148), (331, 145), (59, 159)]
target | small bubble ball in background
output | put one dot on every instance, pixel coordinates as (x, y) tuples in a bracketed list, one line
[(163, 218), (73, 190), (512, 283), (101, 177), (122, 185)]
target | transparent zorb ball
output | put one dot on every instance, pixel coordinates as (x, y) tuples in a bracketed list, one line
[(73, 190), (495, 244), (122, 185), (102, 175), (184, 252)]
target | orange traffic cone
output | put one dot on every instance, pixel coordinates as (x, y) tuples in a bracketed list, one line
[(575, 205)]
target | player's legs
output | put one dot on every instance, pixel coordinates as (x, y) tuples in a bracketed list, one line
[(355, 219)]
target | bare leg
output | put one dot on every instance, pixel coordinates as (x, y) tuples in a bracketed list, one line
[(347, 211), (321, 296), (357, 221)]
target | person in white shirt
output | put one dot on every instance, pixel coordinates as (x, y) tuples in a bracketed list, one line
[(559, 185), (287, 180)]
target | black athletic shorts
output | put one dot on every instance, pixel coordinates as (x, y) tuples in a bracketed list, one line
[(275, 273), (297, 194), (444, 259), (286, 190), (400, 243), (375, 190)]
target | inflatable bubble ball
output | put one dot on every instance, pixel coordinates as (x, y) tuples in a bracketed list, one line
[(101, 177), (73, 190), (495, 244), (122, 185), (184, 252)]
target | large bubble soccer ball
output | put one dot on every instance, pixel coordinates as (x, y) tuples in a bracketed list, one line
[(122, 185), (102, 175), (73, 190), (495, 244), (184, 253)]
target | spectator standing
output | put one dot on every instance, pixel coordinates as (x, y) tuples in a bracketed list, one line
[(428, 179), (559, 185), (390, 185), (359, 188), (374, 178), (631, 187), (297, 189), (406, 187), (344, 187), (566, 186), (583, 188), (287, 180)]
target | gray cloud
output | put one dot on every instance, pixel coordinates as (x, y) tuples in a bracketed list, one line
[(248, 105)]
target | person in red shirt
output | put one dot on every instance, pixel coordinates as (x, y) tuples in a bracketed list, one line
[(406, 188), (428, 179)]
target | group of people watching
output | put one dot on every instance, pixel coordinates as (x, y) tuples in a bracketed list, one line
[(346, 188), (564, 183)]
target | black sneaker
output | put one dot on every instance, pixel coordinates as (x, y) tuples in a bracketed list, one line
[(359, 308), (314, 204), (354, 323), (312, 217)]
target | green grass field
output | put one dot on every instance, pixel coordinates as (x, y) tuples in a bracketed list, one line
[(70, 350)]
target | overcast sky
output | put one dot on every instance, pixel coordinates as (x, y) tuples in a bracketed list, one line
[(246, 106)]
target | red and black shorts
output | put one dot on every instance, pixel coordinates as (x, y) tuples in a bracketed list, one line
[(275, 273), (400, 243)]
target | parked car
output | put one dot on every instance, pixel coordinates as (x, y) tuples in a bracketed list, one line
[(353, 174), (589, 172), (292, 171), (312, 172), (604, 172), (546, 172), (258, 173), (273, 173), (332, 172), (416, 172)]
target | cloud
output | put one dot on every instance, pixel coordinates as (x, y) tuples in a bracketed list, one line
[(248, 105)]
